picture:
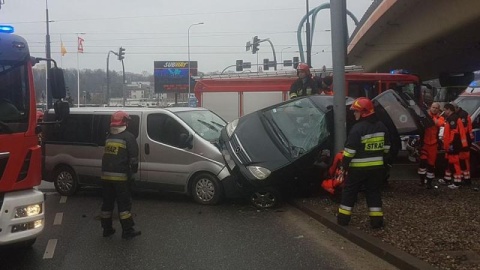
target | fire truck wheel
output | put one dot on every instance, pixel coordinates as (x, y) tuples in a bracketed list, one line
[(265, 198), (65, 181), (206, 189)]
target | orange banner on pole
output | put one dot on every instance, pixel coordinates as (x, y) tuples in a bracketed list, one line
[(63, 50)]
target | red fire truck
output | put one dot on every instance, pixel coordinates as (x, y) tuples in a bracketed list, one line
[(234, 95), (21, 205)]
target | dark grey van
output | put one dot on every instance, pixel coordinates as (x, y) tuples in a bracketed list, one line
[(177, 146)]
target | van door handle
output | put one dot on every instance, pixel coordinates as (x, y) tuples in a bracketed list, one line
[(147, 149)]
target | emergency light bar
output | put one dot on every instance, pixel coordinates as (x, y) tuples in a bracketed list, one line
[(6, 29)]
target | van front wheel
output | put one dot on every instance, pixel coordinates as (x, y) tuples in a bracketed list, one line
[(65, 181), (206, 189)]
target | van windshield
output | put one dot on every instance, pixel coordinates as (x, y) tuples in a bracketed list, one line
[(205, 123), (299, 124)]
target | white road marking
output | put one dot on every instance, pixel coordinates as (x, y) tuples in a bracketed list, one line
[(50, 250), (58, 219), (63, 199)]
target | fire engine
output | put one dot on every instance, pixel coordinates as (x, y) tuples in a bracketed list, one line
[(234, 95), (21, 205)]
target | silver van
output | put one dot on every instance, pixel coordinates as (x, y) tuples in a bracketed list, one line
[(178, 150)]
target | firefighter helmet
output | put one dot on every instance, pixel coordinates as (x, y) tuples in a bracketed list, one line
[(303, 67), (363, 105), (119, 118)]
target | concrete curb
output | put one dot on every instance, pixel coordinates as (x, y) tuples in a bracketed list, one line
[(383, 250)]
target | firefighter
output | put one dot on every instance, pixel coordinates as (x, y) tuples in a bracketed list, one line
[(366, 148), (454, 139), (119, 162), (464, 155), (429, 148), (305, 85)]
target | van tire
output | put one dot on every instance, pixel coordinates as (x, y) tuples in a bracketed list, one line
[(65, 181), (205, 189), (265, 198)]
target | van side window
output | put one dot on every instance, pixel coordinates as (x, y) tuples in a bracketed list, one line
[(77, 128), (164, 129), (101, 126)]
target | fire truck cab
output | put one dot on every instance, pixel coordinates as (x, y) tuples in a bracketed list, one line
[(21, 205)]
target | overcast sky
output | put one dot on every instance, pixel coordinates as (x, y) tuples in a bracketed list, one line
[(157, 30)]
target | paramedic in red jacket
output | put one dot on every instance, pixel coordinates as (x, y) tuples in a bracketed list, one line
[(429, 150)]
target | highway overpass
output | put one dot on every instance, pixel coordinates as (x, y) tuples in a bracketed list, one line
[(426, 37)]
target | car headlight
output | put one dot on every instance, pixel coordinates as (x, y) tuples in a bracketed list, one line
[(259, 172), (231, 127)]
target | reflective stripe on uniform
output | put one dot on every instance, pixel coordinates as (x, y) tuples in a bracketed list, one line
[(114, 176), (116, 143), (372, 136), (386, 148), (347, 152), (346, 210), (375, 211), (106, 214), (366, 162), (125, 214)]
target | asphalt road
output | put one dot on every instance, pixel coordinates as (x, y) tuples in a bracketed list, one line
[(179, 234)]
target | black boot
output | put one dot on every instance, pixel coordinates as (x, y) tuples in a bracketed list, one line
[(107, 227), (343, 220), (422, 180), (376, 222), (128, 231), (429, 183)]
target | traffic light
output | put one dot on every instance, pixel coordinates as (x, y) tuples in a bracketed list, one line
[(121, 53), (239, 65), (295, 62), (265, 64), (256, 43)]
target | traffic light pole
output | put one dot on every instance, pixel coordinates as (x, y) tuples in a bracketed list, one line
[(123, 83)]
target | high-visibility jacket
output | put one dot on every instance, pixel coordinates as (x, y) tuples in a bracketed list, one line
[(430, 136), (454, 136), (467, 124), (120, 158), (367, 144)]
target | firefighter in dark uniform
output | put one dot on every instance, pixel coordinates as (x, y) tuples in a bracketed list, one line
[(305, 85), (119, 162), (366, 149)]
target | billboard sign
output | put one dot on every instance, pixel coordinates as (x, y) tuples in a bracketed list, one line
[(172, 76)]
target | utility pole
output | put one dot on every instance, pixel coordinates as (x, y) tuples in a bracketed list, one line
[(48, 56), (309, 41), (338, 55)]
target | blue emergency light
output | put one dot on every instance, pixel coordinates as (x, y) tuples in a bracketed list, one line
[(6, 29), (474, 84)]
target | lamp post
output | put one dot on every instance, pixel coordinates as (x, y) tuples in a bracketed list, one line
[(188, 47), (281, 53)]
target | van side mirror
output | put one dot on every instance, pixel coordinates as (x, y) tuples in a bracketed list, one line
[(185, 140), (57, 83)]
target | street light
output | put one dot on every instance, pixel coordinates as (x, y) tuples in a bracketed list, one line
[(188, 46), (281, 53)]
